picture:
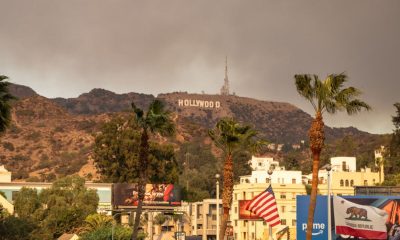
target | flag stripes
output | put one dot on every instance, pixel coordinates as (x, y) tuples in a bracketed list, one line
[(264, 206)]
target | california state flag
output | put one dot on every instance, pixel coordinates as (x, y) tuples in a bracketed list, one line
[(359, 220)]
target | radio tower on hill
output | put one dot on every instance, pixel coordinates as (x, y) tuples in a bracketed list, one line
[(225, 87)]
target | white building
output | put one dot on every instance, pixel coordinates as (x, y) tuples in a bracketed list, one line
[(261, 165), (264, 163), (343, 164), (5, 175)]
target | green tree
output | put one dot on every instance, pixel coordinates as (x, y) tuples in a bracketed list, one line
[(231, 136), (393, 156), (65, 205), (328, 96), (97, 221), (104, 233), (124, 153), (5, 107), (26, 202), (14, 228), (155, 120)]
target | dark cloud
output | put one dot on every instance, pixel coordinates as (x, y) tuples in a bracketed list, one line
[(64, 48)]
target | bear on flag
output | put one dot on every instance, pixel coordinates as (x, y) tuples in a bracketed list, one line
[(359, 220)]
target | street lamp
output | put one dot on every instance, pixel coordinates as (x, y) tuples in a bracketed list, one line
[(217, 193), (328, 171), (270, 183)]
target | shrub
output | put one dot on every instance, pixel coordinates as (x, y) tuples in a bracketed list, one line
[(9, 146), (34, 136)]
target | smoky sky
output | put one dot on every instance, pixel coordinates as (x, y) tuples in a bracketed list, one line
[(65, 48)]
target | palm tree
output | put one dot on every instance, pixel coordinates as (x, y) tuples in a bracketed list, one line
[(5, 107), (155, 120), (229, 136), (328, 96), (96, 221)]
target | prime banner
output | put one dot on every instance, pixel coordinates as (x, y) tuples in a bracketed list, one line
[(352, 217), (126, 194)]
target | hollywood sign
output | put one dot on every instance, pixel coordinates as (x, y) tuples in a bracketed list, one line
[(198, 103)]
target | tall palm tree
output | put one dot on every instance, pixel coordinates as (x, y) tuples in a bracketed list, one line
[(155, 120), (5, 107), (329, 96), (229, 136)]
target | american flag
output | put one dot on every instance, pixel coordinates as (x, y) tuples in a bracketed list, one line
[(264, 206)]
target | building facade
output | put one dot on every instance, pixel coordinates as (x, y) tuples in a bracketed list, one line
[(203, 218)]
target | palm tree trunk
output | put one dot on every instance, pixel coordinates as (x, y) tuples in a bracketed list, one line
[(143, 163), (316, 144), (227, 193)]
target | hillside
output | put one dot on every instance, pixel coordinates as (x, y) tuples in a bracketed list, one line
[(100, 101), (53, 137), (44, 140)]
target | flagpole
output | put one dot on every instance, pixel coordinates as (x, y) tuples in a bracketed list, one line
[(270, 183), (217, 193), (328, 170)]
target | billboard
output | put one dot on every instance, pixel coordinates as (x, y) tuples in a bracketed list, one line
[(246, 214), (390, 204), (126, 195), (320, 226)]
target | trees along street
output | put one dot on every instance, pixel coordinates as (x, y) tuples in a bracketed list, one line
[(329, 96), (231, 137)]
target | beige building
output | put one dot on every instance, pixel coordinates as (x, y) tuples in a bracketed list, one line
[(285, 195), (286, 186), (203, 218)]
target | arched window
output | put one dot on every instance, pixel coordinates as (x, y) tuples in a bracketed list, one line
[(341, 182), (267, 180), (347, 183), (351, 182)]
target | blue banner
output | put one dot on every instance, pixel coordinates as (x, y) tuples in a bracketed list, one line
[(320, 226)]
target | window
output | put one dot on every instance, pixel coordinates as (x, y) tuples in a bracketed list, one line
[(244, 223), (293, 195), (199, 226), (351, 182), (347, 183), (214, 217), (341, 182), (235, 196), (255, 180), (344, 166), (293, 222), (373, 181), (253, 236), (267, 180), (365, 182), (235, 223), (244, 195), (235, 209), (294, 180), (283, 209), (283, 221), (283, 195)]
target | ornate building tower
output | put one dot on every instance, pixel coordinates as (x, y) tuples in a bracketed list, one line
[(225, 87)]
